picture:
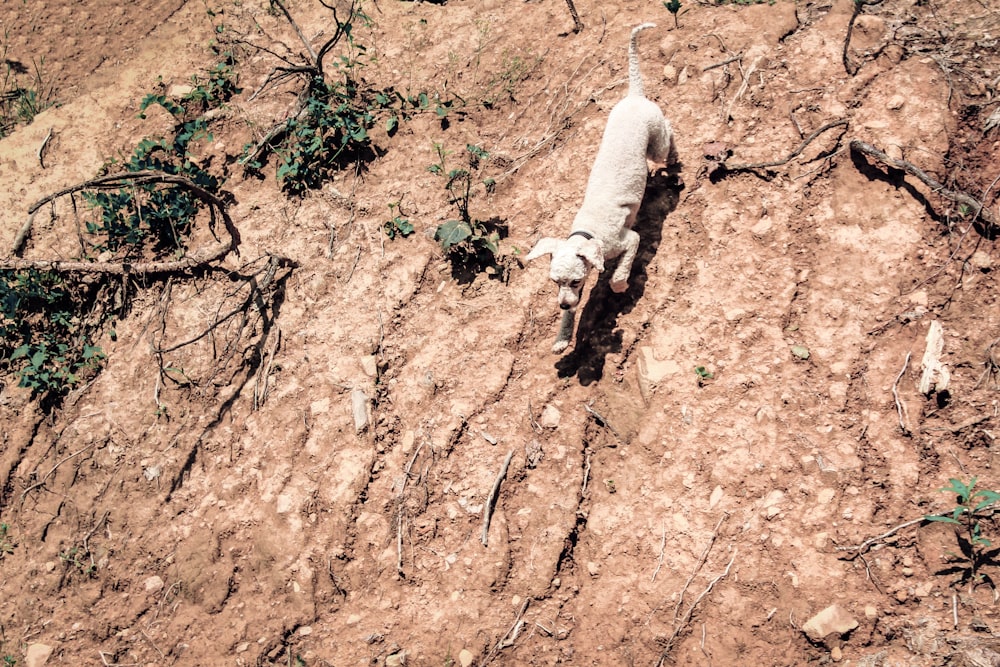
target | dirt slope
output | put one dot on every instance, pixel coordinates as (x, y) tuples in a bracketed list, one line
[(649, 514)]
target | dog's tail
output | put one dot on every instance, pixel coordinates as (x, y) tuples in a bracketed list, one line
[(634, 76)]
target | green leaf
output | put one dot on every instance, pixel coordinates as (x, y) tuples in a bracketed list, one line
[(391, 125), (452, 233), (942, 519)]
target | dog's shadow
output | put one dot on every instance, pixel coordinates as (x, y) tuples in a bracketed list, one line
[(596, 328)]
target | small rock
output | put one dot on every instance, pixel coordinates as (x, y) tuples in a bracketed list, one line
[(836, 654), (902, 595), (800, 351), (243, 647), (981, 260), (369, 365), (670, 74), (305, 630), (37, 655), (283, 505), (716, 496), (895, 102), (359, 407), (593, 568), (550, 417), (871, 612), (180, 90), (465, 657), (396, 659), (832, 620), (153, 584)]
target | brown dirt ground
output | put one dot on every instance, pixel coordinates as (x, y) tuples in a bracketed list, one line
[(646, 516)]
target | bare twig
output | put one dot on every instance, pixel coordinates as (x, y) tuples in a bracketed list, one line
[(492, 498), (699, 564), (112, 182), (980, 210), (867, 544), (41, 149), (669, 645), (663, 547), (726, 168), (577, 23), (601, 420), (52, 470), (511, 635), (900, 407)]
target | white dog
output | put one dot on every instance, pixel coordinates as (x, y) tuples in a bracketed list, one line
[(602, 229)]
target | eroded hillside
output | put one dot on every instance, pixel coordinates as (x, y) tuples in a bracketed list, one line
[(730, 447)]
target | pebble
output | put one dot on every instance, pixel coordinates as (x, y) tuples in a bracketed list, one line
[(465, 657), (153, 584), (832, 620), (37, 655), (550, 417)]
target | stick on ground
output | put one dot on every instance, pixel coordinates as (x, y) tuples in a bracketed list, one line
[(491, 500)]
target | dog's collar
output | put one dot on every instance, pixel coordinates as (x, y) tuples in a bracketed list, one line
[(580, 232)]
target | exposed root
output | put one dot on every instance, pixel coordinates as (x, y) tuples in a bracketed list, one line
[(979, 210)]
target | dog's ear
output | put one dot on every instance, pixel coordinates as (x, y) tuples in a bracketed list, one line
[(545, 246), (593, 252)]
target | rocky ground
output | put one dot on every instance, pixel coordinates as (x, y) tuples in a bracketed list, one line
[(729, 466)]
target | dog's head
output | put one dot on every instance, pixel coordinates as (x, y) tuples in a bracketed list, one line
[(572, 260)]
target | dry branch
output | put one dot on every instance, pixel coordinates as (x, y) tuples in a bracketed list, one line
[(871, 541), (197, 259), (577, 23), (669, 645), (727, 168), (492, 498), (980, 210)]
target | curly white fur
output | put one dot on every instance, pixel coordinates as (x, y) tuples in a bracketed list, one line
[(602, 229)]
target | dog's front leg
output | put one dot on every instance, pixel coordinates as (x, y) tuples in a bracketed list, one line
[(619, 279), (565, 331)]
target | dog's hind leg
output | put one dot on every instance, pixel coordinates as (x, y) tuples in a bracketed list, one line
[(565, 331)]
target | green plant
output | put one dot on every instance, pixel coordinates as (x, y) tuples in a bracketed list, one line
[(331, 128), (6, 543), (21, 101), (157, 215), (82, 560), (968, 515), (470, 243), (398, 225), (215, 89), (674, 7), (43, 336)]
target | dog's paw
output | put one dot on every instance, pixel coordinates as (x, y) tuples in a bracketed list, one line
[(619, 286), (559, 346)]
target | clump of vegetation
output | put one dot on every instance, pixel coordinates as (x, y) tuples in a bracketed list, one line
[(470, 243), (23, 93), (6, 544), (399, 225), (968, 515), (48, 320), (337, 111), (43, 336), (160, 214), (81, 560)]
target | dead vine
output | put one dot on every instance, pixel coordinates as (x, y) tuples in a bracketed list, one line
[(195, 260), (723, 169)]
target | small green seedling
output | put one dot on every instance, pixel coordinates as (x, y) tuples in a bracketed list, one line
[(6, 544), (968, 514), (674, 7), (398, 225), (471, 244)]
